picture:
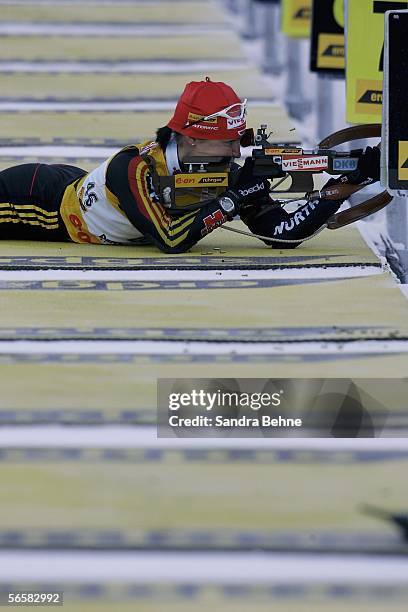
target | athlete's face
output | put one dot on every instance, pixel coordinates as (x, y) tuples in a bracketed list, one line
[(194, 147)]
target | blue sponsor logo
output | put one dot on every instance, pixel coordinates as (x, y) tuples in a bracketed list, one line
[(345, 163)]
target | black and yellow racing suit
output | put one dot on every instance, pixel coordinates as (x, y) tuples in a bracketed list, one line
[(116, 203)]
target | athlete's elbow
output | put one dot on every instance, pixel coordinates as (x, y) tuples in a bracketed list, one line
[(172, 249), (286, 245)]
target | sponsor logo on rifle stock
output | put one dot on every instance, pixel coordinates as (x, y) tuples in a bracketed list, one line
[(214, 180), (345, 163), (280, 151), (201, 179), (184, 180), (306, 162)]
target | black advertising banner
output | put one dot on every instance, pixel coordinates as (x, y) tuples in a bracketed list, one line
[(396, 99), (327, 44)]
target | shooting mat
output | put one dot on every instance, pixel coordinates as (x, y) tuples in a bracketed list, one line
[(198, 498), (125, 48), (220, 250), (121, 13), (67, 388), (334, 309), (129, 127), (247, 83), (296, 597)]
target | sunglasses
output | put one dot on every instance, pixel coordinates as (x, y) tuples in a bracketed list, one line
[(235, 111)]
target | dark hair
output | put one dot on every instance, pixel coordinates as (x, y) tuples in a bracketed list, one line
[(163, 136)]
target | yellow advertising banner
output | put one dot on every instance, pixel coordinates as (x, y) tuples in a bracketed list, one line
[(296, 18), (330, 51), (365, 53), (403, 160)]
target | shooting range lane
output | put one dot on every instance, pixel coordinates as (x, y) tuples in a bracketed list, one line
[(297, 597), (210, 46), (120, 13), (210, 497), (57, 387), (337, 310), (192, 498), (129, 127), (125, 86), (220, 250), (227, 601)]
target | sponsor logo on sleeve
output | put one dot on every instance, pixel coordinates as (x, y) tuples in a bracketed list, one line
[(296, 220), (148, 147), (212, 221), (250, 190)]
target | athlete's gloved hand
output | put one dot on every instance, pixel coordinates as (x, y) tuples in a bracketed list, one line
[(247, 190), (368, 167), (250, 194)]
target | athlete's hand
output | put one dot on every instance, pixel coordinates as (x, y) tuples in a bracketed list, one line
[(368, 166), (254, 192)]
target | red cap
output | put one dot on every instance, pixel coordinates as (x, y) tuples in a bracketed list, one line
[(203, 98)]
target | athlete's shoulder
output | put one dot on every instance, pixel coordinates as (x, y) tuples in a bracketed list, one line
[(147, 147), (148, 150)]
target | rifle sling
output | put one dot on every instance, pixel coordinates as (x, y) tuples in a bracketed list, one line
[(358, 212), (355, 132), (345, 190)]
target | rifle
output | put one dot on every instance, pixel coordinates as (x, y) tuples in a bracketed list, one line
[(281, 161)]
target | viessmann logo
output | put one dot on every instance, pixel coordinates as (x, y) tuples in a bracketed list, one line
[(305, 163)]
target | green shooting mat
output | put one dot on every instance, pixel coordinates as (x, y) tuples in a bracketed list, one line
[(341, 310), (119, 13), (209, 46), (197, 498), (129, 127), (247, 83), (219, 250), (66, 388)]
